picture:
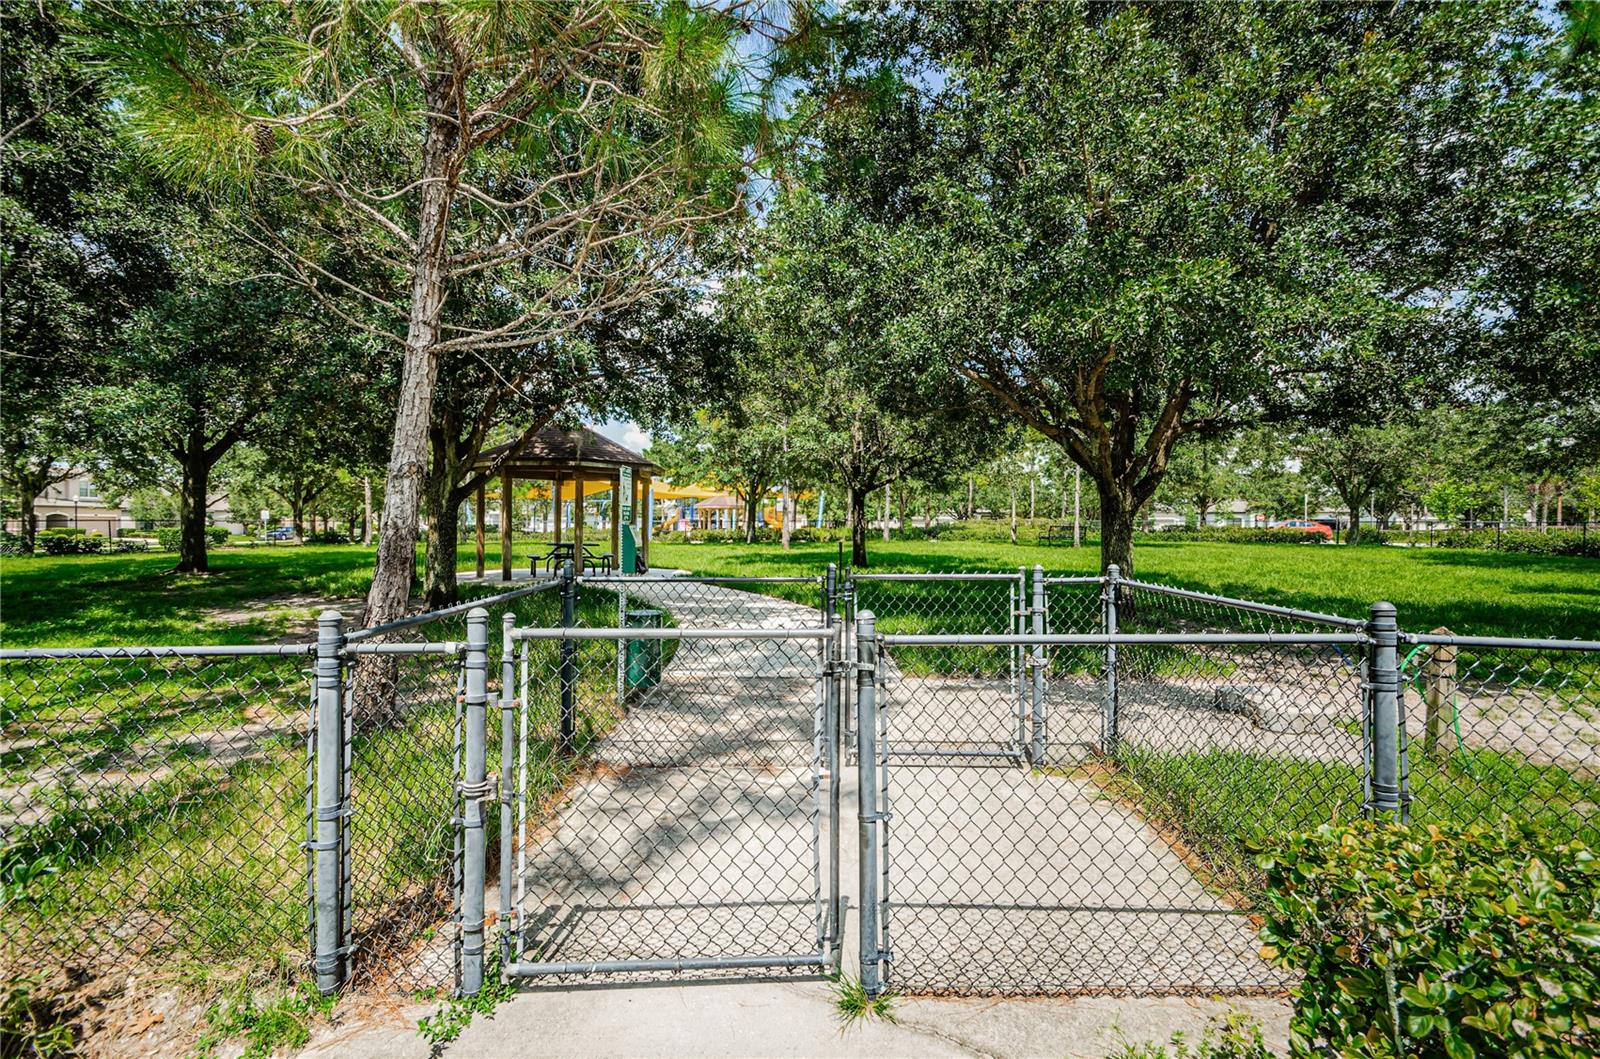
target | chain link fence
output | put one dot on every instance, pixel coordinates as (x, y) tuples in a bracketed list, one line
[(1060, 780), (155, 804), (1096, 832)]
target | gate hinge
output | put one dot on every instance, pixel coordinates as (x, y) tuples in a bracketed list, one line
[(877, 818)]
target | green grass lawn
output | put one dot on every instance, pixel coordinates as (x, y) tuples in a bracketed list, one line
[(256, 594), (1470, 592)]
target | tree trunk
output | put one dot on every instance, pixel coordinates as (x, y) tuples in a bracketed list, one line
[(28, 524), (408, 454), (1352, 505), (858, 526), (366, 511), (1077, 507), (1118, 513), (442, 503), (969, 498), (444, 535), (1013, 513), (297, 515), (788, 516), (886, 498), (192, 516)]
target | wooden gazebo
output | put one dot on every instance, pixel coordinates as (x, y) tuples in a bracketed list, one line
[(570, 460)]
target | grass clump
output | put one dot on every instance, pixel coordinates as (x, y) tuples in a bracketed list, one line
[(852, 1003), (1231, 1036)]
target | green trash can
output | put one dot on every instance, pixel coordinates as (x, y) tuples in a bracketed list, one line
[(644, 656)]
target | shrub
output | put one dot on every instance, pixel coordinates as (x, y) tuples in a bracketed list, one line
[(1449, 942), (169, 538), (64, 531), (70, 544), (216, 536), (328, 537), (10, 543), (1233, 535)]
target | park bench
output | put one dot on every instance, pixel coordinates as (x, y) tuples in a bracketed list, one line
[(1058, 532)]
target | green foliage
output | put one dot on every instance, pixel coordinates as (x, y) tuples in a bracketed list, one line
[(70, 544), (456, 1013), (29, 1025), (1230, 1036), (1437, 941), (1235, 535), (280, 1022)]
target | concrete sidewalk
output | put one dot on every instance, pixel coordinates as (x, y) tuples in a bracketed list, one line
[(795, 1019)]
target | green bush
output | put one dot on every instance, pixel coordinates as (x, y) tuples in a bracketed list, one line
[(170, 537), (70, 544), (1453, 942), (328, 537), (1233, 535), (1518, 542), (11, 543), (64, 531)]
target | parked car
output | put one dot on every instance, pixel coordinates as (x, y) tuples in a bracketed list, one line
[(1316, 529), (280, 533)]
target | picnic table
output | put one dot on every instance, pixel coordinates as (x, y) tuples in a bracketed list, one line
[(560, 553)]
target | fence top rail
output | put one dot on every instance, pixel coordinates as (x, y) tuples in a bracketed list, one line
[(1439, 639), (820, 633), (1087, 580), (695, 579), (1245, 604), (442, 647), (1118, 639), (935, 577), (204, 651), (460, 608)]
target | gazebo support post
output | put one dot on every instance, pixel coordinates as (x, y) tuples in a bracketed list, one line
[(616, 523), (556, 503), (479, 503), (505, 527), (647, 517), (577, 522)]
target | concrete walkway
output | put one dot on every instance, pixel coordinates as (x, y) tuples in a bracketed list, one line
[(1006, 879)]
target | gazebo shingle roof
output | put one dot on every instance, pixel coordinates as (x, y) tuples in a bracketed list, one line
[(555, 449)]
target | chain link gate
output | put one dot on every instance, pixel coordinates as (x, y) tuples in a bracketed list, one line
[(955, 603), (678, 826)]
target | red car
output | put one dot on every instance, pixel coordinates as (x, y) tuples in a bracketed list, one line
[(1314, 528)]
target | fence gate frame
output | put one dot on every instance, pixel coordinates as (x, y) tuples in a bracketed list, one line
[(822, 795)]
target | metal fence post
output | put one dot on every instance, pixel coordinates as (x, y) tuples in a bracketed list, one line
[(1383, 691), (834, 654), (867, 798), (328, 951), (508, 784), (1112, 587), (474, 789), (1037, 747), (568, 670)]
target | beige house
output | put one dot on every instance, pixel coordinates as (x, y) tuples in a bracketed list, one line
[(75, 503)]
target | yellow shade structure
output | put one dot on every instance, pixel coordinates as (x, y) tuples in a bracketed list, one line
[(666, 491)]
